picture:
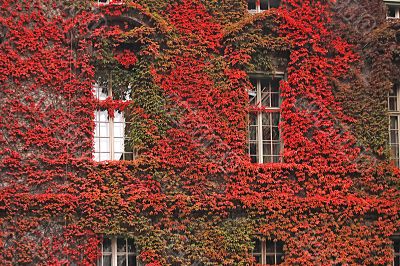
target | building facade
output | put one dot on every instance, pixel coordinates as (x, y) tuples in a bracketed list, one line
[(198, 132)]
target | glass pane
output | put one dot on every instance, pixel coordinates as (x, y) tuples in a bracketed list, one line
[(275, 100), (276, 149), (391, 12), (121, 245), (103, 116), (264, 5), (396, 245), (266, 119), (118, 117), (104, 145), (106, 244), (254, 159), (270, 246), (274, 3), (253, 148), (118, 145), (131, 260), (107, 260), (103, 129), (279, 246), (253, 133), (97, 157), (267, 148), (253, 91), (131, 245), (118, 156), (265, 93), (253, 119), (394, 122), (257, 258), (121, 260), (394, 138), (275, 133), (104, 156), (392, 104), (275, 118), (257, 246), (251, 4), (100, 93), (270, 260), (266, 133), (279, 259), (118, 130), (96, 145)]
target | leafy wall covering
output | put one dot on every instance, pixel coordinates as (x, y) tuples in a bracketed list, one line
[(192, 194)]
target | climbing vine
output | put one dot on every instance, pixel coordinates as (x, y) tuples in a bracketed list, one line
[(192, 195)]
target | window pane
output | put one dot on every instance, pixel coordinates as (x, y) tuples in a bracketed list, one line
[(279, 259), (118, 145), (275, 101), (394, 138), (264, 5), (266, 132), (104, 145), (121, 245), (106, 244), (396, 245), (121, 260), (104, 156), (253, 148), (253, 91), (275, 133), (276, 149), (397, 261), (266, 119), (100, 93), (131, 260), (392, 104), (107, 260), (270, 260), (103, 116), (274, 3), (253, 119), (103, 129), (279, 246), (251, 4), (391, 12), (118, 130), (257, 246), (270, 246), (131, 245), (275, 118), (267, 148), (253, 133), (394, 122)]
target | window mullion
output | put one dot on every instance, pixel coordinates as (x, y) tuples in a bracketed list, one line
[(263, 251), (260, 124), (114, 251)]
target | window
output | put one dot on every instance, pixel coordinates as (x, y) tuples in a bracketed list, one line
[(110, 139), (256, 6), (118, 251), (393, 8), (264, 136), (394, 116), (268, 252), (396, 248)]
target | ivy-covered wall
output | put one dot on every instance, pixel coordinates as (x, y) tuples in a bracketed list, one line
[(192, 195)]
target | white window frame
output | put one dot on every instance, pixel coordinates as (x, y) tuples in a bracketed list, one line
[(264, 254), (393, 4), (394, 115), (110, 127), (258, 7), (115, 253), (259, 121)]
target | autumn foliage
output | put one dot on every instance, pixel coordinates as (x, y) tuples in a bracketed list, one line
[(192, 195)]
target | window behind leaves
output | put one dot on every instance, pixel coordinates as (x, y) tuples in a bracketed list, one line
[(255, 6), (268, 252), (264, 136), (111, 139), (118, 251), (394, 116), (393, 10)]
